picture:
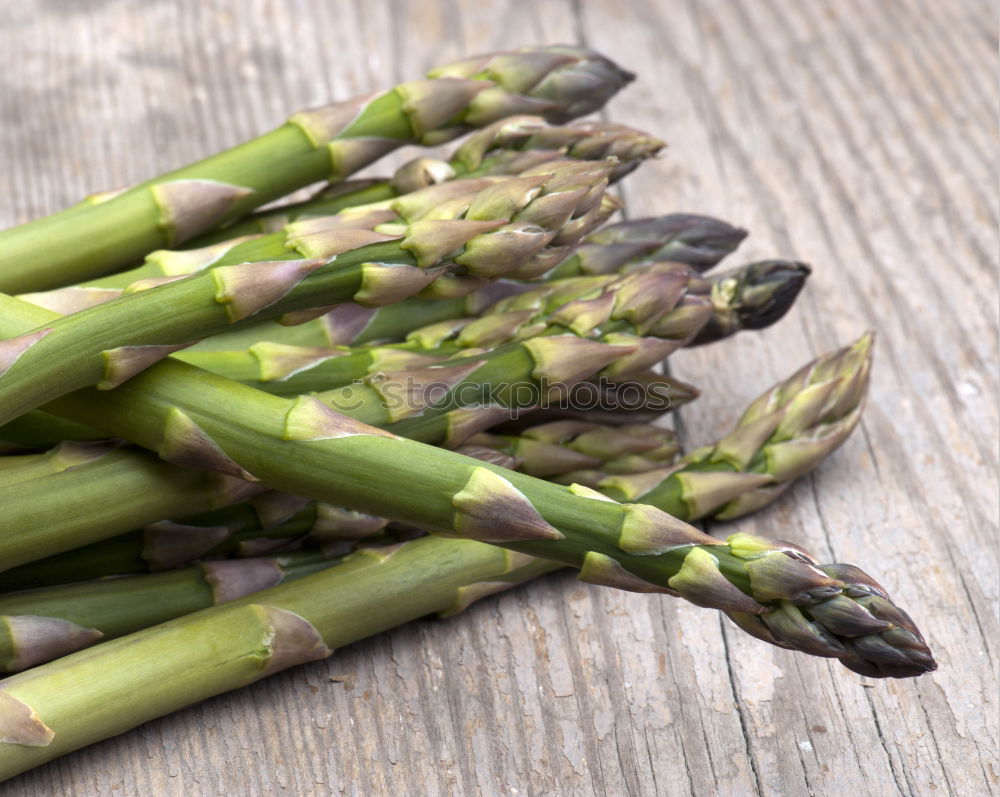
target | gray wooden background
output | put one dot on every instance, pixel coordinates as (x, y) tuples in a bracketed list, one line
[(858, 135)]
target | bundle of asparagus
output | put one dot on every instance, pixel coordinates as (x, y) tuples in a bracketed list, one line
[(321, 420)]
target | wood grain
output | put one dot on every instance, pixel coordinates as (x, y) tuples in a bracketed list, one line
[(858, 136)]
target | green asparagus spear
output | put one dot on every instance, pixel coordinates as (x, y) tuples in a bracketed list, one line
[(289, 370), (120, 684), (197, 419), (508, 146), (557, 82), (266, 523), (114, 686), (783, 434), (43, 624), (486, 153), (497, 377), (105, 491), (810, 413), (560, 450), (699, 241), (490, 232), (640, 318), (37, 431), (65, 456), (641, 397)]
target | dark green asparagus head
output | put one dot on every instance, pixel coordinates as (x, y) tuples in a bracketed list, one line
[(484, 228), (752, 297), (784, 433), (698, 241), (772, 589), (559, 82), (569, 448), (521, 142), (836, 611)]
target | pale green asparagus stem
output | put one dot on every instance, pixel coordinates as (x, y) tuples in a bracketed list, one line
[(698, 241), (302, 446), (489, 231), (119, 684), (43, 624), (508, 146), (96, 237)]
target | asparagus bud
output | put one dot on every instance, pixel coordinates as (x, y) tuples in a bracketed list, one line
[(752, 298), (784, 433), (699, 241)]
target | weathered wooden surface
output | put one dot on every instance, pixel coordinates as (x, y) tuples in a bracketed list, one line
[(859, 136)]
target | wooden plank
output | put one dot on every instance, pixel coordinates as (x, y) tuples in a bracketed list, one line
[(860, 137), (797, 118)]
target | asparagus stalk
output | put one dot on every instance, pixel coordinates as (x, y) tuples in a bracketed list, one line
[(641, 397), (289, 370), (699, 241), (512, 377), (120, 684), (507, 146), (194, 418), (766, 289), (809, 414), (37, 430), (489, 232), (565, 450), (684, 237), (486, 153), (640, 318), (65, 456), (557, 82), (43, 624), (265, 523), (155, 671), (105, 491), (332, 458), (785, 433)]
